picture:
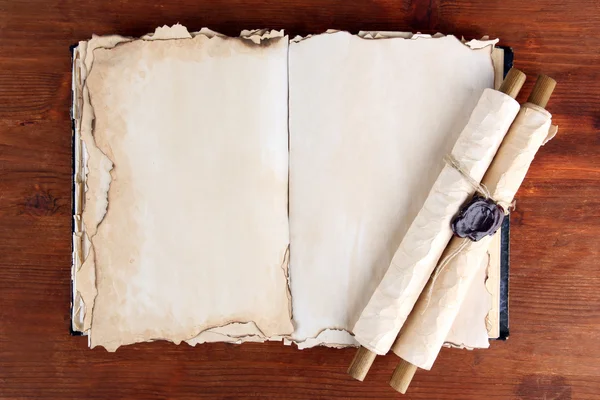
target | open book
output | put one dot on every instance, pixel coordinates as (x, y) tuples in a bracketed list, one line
[(256, 188)]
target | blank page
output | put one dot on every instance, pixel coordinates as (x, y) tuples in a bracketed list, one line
[(370, 122)]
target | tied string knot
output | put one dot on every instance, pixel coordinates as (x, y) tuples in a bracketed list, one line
[(481, 217), (477, 186)]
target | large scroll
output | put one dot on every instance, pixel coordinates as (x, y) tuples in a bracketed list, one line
[(430, 322), (426, 239)]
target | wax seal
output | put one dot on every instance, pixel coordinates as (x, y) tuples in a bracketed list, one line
[(478, 218)]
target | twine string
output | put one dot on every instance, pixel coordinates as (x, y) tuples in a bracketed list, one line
[(440, 267), (483, 191), (478, 187)]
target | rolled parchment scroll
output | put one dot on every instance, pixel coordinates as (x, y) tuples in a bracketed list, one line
[(429, 323), (428, 235)]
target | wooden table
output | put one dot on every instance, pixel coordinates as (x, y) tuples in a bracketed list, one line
[(554, 348)]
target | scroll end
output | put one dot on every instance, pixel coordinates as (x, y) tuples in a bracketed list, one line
[(542, 90), (360, 365), (402, 376), (513, 83)]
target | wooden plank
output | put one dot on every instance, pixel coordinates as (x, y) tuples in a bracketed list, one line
[(555, 303)]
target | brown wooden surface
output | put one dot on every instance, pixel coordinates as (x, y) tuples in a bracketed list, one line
[(554, 348)]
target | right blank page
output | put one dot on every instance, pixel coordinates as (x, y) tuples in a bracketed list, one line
[(370, 122)]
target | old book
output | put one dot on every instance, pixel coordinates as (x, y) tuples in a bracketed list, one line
[(255, 188)]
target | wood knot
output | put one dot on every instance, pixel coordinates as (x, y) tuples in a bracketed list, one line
[(541, 386), (41, 203)]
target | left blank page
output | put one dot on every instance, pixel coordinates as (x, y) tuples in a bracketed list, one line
[(196, 231)]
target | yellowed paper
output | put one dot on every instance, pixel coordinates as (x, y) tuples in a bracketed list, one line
[(91, 180), (428, 326), (190, 240)]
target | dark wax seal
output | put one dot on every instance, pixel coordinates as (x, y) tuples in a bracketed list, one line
[(478, 218)]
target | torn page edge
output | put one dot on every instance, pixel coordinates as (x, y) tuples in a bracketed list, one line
[(238, 332), (77, 306), (166, 32), (285, 266), (328, 337), (258, 35), (474, 44), (82, 114), (457, 346), (551, 133), (498, 64), (248, 331), (234, 332)]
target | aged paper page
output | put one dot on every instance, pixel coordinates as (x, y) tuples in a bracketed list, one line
[(196, 233), (370, 122)]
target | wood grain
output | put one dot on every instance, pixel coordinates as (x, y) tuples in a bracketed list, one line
[(553, 351)]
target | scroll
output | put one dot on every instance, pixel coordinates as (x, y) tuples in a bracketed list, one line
[(427, 327), (427, 237)]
